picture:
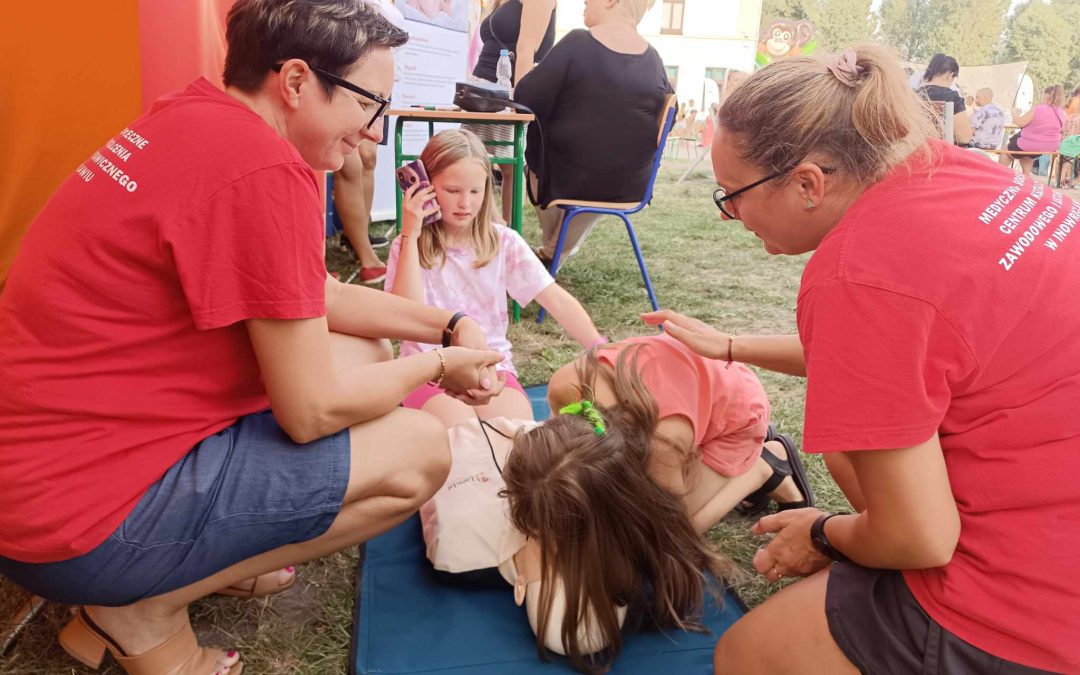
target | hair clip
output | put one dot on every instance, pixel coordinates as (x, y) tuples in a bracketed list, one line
[(586, 410)]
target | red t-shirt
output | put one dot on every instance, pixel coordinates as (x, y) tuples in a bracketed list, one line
[(946, 301), (121, 335)]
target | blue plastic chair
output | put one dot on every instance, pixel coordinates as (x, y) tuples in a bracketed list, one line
[(572, 207)]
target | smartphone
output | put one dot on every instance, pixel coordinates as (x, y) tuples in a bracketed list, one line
[(414, 172)]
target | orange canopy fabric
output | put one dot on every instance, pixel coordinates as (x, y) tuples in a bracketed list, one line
[(72, 82), (78, 73)]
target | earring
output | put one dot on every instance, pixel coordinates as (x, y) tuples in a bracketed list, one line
[(809, 204)]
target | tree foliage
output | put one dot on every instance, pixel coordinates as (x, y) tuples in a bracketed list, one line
[(842, 23), (969, 30), (906, 25), (1045, 36), (1042, 32)]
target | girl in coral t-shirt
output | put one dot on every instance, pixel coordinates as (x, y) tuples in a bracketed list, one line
[(652, 445)]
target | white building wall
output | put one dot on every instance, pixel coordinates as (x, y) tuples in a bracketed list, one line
[(716, 34)]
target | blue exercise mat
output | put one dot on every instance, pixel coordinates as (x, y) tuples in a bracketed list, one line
[(408, 621), (538, 397)]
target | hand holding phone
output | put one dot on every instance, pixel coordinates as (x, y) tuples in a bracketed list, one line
[(418, 205)]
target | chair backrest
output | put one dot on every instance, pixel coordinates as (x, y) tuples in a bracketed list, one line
[(945, 111), (667, 120), (670, 103)]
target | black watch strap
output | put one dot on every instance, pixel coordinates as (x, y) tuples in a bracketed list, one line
[(821, 542), (448, 332)]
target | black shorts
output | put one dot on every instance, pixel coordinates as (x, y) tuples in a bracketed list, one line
[(1013, 142), (882, 629)]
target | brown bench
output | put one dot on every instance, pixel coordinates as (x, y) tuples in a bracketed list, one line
[(1055, 160)]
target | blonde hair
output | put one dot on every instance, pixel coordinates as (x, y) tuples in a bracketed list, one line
[(442, 151), (1056, 92), (634, 10), (605, 527), (795, 109)]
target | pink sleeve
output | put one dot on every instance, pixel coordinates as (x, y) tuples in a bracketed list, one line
[(881, 367), (254, 249), (525, 274)]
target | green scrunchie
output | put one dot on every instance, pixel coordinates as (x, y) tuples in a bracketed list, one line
[(588, 411)]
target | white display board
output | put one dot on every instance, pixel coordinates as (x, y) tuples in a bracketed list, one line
[(426, 68)]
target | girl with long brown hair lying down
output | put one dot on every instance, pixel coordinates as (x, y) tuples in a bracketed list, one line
[(614, 498)]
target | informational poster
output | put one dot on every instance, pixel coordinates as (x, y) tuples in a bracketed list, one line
[(452, 14), (427, 67)]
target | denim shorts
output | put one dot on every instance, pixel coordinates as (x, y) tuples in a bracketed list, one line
[(246, 490), (883, 630)]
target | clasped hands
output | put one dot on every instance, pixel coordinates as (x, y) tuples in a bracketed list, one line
[(470, 366)]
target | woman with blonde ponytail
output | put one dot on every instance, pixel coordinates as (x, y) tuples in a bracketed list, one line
[(937, 332)]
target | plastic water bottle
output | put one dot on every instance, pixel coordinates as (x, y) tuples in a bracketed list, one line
[(504, 72)]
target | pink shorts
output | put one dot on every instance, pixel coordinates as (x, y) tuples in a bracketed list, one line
[(418, 397)]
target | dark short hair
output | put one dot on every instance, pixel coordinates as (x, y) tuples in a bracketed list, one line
[(941, 64), (327, 34)]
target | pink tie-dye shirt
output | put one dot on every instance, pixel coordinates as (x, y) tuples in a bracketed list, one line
[(480, 293)]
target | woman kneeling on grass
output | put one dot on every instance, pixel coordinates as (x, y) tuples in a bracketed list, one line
[(938, 332), (146, 329)]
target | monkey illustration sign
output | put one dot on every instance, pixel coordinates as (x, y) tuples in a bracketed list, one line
[(783, 38)]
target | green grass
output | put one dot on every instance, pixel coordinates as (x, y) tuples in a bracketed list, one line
[(699, 265)]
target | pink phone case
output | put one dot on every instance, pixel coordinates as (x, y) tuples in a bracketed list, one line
[(406, 179)]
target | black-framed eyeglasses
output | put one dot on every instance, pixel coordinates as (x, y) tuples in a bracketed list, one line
[(384, 103), (721, 195)]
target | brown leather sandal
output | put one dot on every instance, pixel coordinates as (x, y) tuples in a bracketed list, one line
[(179, 655), (265, 584)]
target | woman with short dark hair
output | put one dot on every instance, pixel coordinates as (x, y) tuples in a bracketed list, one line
[(190, 405)]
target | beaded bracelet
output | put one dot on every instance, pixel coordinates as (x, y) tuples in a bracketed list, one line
[(730, 344), (442, 368)]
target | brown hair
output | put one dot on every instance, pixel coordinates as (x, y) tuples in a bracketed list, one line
[(604, 527), (1056, 92), (795, 108), (444, 149), (327, 34)]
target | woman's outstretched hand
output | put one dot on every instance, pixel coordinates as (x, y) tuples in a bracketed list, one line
[(699, 336), (790, 553)]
